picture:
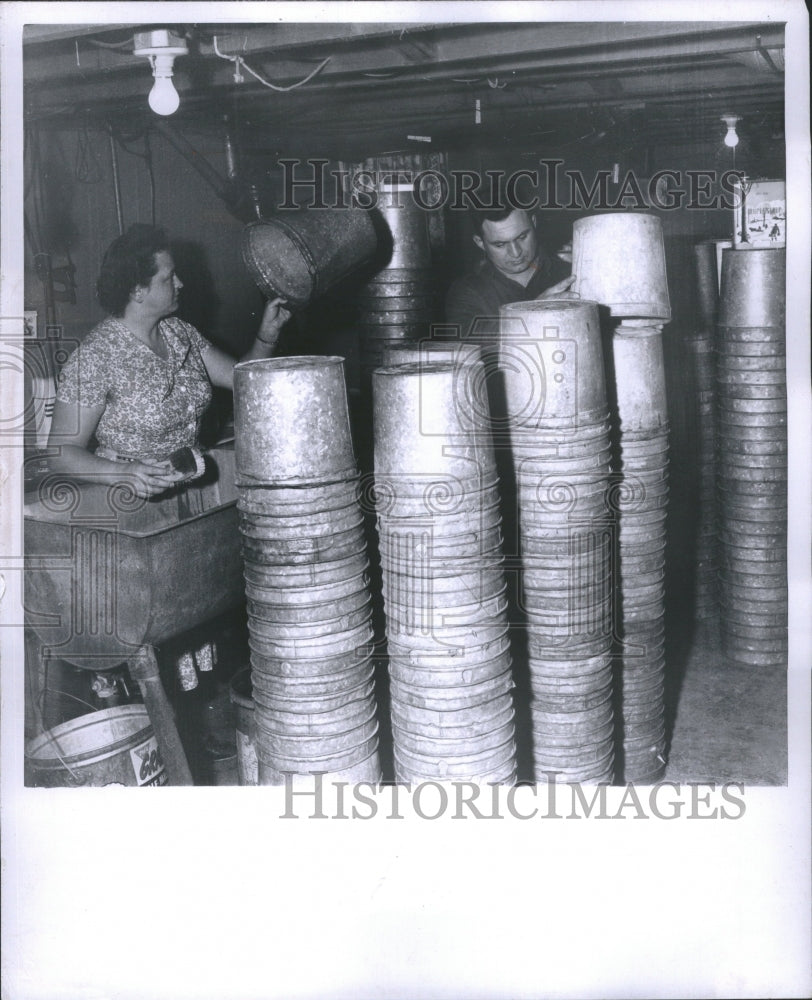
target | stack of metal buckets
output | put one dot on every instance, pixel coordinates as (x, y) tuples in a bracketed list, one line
[(752, 456), (619, 261), (641, 499), (396, 304), (701, 345), (305, 571), (443, 581), (551, 359)]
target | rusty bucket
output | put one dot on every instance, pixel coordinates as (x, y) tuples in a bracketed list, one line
[(300, 254)]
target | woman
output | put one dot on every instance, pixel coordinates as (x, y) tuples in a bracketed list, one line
[(136, 388)]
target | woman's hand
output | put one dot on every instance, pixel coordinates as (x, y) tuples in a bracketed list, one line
[(148, 478), (273, 319), (560, 291), (220, 366), (71, 430)]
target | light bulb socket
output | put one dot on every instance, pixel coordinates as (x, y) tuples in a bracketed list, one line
[(150, 43), (161, 48), (162, 65)]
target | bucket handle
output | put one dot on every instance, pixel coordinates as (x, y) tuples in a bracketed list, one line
[(77, 779), (304, 250)]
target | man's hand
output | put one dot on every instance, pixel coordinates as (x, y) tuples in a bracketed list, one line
[(565, 253), (560, 290)]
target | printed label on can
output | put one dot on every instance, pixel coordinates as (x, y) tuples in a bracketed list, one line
[(148, 764)]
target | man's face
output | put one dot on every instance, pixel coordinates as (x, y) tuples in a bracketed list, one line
[(510, 244)]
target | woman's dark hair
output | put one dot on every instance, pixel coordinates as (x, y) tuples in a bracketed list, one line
[(128, 264)]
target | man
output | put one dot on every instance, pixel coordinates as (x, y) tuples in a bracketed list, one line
[(515, 269)]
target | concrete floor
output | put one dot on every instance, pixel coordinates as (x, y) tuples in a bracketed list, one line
[(729, 722)]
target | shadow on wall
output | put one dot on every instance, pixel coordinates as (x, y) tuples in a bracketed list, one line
[(199, 302)]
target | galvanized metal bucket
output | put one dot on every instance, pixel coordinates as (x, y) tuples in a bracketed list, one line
[(753, 288), (640, 378), (291, 420), (115, 746), (551, 358), (618, 260)]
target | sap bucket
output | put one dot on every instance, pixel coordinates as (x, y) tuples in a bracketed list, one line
[(639, 365), (300, 254), (618, 260), (115, 746), (404, 240), (753, 289), (551, 358), (292, 422)]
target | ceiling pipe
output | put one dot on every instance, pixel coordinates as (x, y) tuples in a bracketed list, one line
[(116, 184), (228, 189), (767, 56), (209, 174)]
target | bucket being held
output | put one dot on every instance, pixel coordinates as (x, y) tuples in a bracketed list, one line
[(299, 255), (115, 746)]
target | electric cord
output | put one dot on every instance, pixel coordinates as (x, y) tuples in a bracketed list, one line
[(240, 64)]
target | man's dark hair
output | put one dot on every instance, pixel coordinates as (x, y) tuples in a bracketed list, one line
[(129, 263), (479, 216)]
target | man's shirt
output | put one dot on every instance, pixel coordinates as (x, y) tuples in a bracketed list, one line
[(473, 301)]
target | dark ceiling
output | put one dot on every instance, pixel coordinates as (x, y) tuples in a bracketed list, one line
[(551, 83)]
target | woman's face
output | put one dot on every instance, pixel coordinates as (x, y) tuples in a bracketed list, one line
[(160, 297)]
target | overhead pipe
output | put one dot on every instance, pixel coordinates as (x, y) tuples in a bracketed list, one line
[(766, 55), (116, 184), (231, 151), (224, 187)]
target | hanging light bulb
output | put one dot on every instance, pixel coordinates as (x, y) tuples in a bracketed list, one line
[(731, 137), (161, 48), (163, 98)]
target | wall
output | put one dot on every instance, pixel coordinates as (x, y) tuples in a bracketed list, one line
[(70, 180), (78, 217)]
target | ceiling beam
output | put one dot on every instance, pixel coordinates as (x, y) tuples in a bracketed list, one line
[(464, 48)]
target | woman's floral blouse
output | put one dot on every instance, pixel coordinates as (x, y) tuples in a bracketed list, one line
[(152, 406)]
